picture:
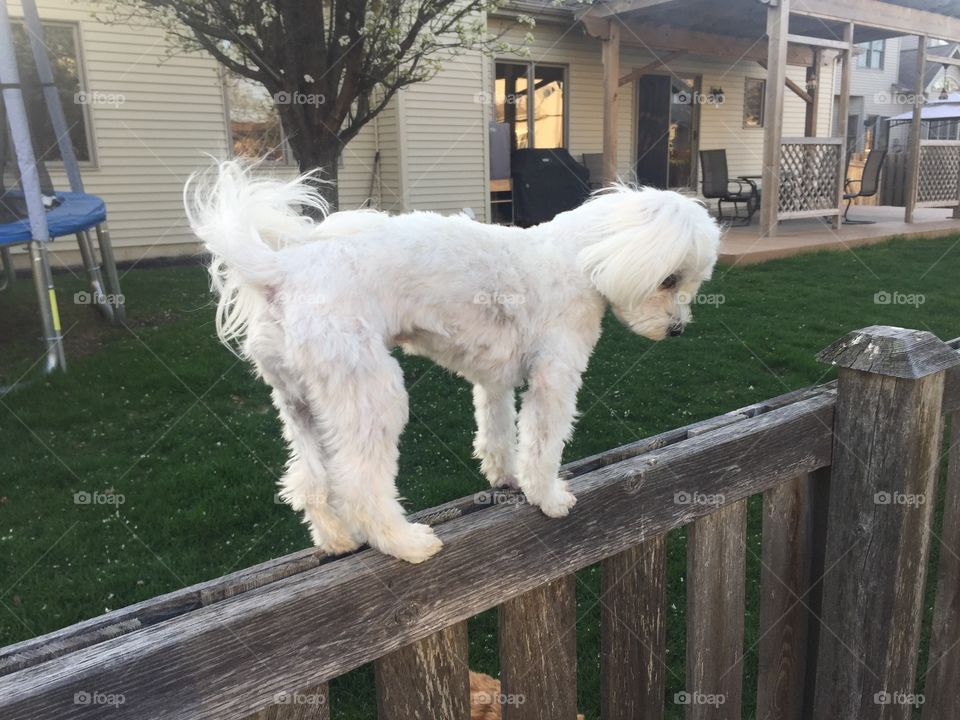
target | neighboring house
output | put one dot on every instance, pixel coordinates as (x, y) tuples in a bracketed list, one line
[(882, 87)]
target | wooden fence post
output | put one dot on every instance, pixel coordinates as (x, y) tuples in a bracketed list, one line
[(888, 430), (426, 680), (633, 632), (538, 653)]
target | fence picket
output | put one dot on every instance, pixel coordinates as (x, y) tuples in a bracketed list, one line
[(633, 632), (311, 704), (716, 552), (538, 653), (426, 680), (942, 691), (785, 579)]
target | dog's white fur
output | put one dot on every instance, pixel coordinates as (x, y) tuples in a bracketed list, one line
[(318, 306)]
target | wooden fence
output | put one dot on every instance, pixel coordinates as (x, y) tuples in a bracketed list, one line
[(848, 472)]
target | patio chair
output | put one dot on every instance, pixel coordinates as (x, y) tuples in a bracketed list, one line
[(717, 185), (869, 183), (593, 162)]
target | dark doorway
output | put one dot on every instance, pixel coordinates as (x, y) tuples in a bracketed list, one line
[(667, 121)]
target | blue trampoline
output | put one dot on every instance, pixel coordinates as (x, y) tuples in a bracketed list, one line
[(75, 213), (32, 213)]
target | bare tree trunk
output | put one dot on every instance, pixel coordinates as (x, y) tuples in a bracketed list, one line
[(314, 148)]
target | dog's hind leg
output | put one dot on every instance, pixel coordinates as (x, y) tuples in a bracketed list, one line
[(496, 442), (364, 408), (306, 483), (546, 423)]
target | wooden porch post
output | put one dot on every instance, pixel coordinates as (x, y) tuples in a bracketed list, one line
[(778, 22), (814, 74), (913, 146), (611, 90), (843, 111)]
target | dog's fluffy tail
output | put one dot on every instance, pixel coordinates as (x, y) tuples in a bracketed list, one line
[(243, 220)]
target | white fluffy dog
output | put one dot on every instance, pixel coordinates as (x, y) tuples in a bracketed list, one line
[(318, 307)]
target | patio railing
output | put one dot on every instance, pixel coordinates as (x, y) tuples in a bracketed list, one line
[(848, 478), (939, 178), (810, 170)]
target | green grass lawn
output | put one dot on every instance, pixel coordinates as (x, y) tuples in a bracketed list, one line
[(160, 415)]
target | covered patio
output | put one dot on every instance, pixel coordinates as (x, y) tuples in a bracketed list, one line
[(802, 178)]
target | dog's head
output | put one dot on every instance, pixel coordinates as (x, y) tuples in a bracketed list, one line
[(653, 250)]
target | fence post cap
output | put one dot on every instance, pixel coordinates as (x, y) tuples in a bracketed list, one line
[(891, 351)]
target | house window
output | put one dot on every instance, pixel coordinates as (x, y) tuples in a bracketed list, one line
[(531, 99), (61, 42), (871, 54), (255, 130), (754, 90)]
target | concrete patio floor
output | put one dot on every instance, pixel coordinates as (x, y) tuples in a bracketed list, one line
[(743, 245)]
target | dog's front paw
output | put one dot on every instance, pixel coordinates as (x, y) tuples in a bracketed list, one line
[(414, 545), (556, 503)]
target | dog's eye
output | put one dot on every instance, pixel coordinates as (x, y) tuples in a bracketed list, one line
[(670, 283)]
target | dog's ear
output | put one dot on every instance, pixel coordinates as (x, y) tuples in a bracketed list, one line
[(645, 236)]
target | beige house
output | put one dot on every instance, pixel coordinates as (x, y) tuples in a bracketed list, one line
[(149, 118)]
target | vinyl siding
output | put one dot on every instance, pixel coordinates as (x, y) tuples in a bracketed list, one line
[(443, 138)]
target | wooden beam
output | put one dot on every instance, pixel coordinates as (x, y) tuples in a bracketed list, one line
[(667, 37), (943, 60), (610, 51), (816, 42), (656, 64), (797, 90), (778, 21), (913, 143), (843, 110), (885, 16)]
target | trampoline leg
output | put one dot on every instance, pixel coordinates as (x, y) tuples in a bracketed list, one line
[(94, 276), (49, 314), (8, 274), (110, 266)]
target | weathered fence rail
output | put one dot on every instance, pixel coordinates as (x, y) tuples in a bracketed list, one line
[(838, 563)]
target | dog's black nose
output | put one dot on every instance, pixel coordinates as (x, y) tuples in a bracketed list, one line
[(675, 330)]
